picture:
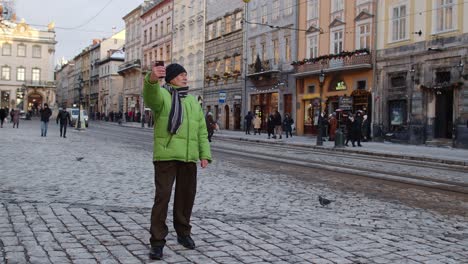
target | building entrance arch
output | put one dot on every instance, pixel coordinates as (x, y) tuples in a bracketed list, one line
[(34, 103)]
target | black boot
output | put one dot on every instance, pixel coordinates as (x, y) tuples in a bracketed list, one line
[(156, 252)]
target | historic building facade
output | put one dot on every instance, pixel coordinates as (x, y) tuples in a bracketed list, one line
[(333, 72), (189, 41), (131, 68), (110, 83), (422, 95), (270, 43), (222, 93), (26, 65), (156, 21)]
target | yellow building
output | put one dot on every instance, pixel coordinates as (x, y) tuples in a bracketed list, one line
[(337, 43), (422, 96)]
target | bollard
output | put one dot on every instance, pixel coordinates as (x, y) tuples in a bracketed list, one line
[(339, 138)]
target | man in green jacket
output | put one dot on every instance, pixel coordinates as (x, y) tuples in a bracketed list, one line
[(180, 141)]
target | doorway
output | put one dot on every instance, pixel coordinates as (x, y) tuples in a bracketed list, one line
[(444, 114), (226, 117), (237, 116)]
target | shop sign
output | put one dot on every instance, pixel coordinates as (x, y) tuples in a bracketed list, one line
[(345, 103)]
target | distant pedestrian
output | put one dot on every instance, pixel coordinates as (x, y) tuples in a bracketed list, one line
[(333, 125), (365, 129), (15, 118), (3, 115), (278, 125), (271, 126), (287, 125), (356, 130), (210, 125), (248, 122), (45, 116), (64, 118), (257, 123)]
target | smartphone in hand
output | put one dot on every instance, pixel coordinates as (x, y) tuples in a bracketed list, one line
[(159, 63)]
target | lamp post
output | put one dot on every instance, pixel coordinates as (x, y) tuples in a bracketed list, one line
[(80, 87), (320, 119)]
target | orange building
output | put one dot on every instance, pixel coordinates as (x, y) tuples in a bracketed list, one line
[(337, 44)]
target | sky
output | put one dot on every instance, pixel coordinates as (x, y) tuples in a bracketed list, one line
[(77, 22)]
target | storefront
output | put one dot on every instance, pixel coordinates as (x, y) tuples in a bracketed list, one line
[(264, 104)]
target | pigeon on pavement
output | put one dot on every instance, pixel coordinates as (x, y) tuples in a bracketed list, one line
[(324, 201)]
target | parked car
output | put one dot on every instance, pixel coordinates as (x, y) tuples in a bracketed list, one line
[(74, 115)]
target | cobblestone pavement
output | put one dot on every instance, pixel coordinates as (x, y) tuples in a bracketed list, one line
[(56, 209)]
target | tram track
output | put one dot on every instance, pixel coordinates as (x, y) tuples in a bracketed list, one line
[(309, 158)]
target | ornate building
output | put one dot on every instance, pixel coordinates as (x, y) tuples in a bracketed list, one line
[(422, 96), (26, 64), (222, 93)]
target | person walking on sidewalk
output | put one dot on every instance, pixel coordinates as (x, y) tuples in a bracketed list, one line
[(278, 125), (210, 125), (45, 116), (64, 118), (180, 141), (257, 122), (287, 125), (271, 126), (333, 125), (3, 115), (248, 122), (15, 118)]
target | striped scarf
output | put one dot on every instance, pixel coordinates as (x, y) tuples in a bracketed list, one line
[(176, 114)]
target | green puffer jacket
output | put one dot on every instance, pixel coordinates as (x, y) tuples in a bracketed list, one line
[(190, 144)]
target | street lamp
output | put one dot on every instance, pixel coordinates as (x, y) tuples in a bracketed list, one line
[(80, 87), (320, 118)]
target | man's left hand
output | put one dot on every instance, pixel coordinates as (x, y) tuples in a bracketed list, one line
[(204, 163)]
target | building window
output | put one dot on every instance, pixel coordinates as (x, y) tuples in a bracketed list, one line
[(237, 63), (6, 73), (145, 37), (21, 50), (20, 74), (227, 65), (312, 46), (399, 23), (397, 112), (210, 31), (446, 11), (311, 89), (150, 34), (275, 14), (168, 25), (238, 20), (264, 15), (162, 27), (219, 25), (287, 49), (36, 75), (253, 53), (337, 5), (264, 51), (156, 31), (36, 51), (161, 54), (6, 49), (337, 42), (288, 7), (363, 36), (168, 52), (312, 9), (361, 85), (228, 24), (276, 51), (253, 18)]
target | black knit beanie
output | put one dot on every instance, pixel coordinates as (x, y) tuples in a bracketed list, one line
[(172, 70)]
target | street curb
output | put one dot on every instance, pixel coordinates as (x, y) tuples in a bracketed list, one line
[(348, 150)]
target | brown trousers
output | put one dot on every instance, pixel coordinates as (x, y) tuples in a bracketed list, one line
[(185, 175)]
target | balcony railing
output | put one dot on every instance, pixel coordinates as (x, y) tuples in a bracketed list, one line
[(266, 66), (129, 65), (34, 83), (335, 62)]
